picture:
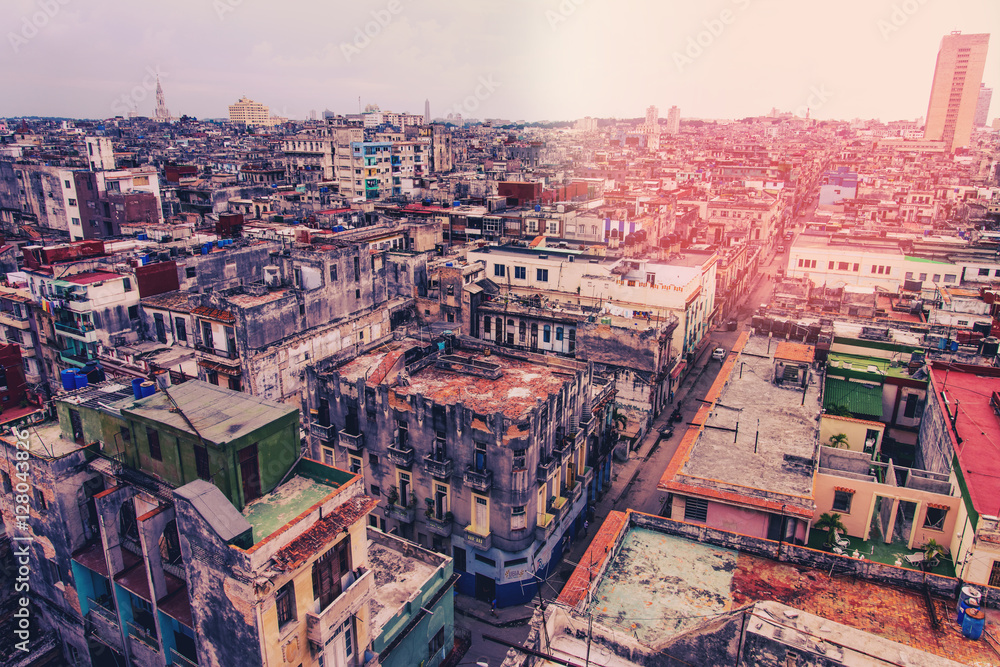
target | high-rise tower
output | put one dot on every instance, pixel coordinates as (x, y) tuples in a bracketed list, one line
[(427, 112), (161, 114), (983, 105), (955, 90)]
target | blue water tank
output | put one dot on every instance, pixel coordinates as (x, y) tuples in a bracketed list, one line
[(148, 388), (538, 208), (137, 388), (456, 203), (204, 250), (81, 380), (68, 378), (428, 202), (954, 346)]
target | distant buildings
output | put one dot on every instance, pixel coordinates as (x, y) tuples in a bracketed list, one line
[(248, 113), (955, 90), (673, 120), (161, 113), (983, 105)]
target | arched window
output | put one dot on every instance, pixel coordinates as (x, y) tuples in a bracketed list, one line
[(547, 334), (521, 330)]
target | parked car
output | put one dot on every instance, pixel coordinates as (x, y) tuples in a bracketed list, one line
[(719, 354), (781, 249)]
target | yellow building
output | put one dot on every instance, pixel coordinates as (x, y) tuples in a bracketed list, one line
[(249, 113), (958, 74)]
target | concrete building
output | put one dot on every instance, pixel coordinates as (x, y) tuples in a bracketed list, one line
[(674, 120), (955, 90), (100, 153), (836, 186), (248, 113), (189, 531), (747, 463), (983, 105), (449, 437)]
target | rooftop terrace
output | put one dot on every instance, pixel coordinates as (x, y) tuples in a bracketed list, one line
[(757, 439), (398, 577)]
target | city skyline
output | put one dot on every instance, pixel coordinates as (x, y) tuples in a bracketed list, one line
[(545, 61)]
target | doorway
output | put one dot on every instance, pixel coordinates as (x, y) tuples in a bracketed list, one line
[(486, 588)]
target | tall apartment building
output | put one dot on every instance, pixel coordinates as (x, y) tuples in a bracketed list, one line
[(481, 453), (248, 113), (983, 105), (958, 74), (673, 120)]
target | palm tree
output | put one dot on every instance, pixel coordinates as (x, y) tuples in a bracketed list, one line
[(932, 550), (832, 524), (839, 411), (619, 419), (839, 440)]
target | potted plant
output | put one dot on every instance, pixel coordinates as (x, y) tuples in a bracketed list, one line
[(933, 551), (832, 524), (413, 500), (429, 511), (449, 517), (393, 497), (839, 440)]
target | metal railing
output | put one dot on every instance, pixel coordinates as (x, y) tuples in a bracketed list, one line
[(178, 659), (141, 634)]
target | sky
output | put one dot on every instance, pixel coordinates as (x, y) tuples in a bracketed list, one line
[(514, 59)]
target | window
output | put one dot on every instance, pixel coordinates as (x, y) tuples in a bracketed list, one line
[(72, 202), (858, 267), (201, 462), (40, 503), (481, 514), (984, 272), (546, 334), (832, 265), (127, 283), (333, 272), (355, 464), (357, 294), (499, 270), (911, 406), (284, 601), (450, 290), (559, 333), (935, 517), (949, 277), (909, 275), (190, 272), (520, 273), (327, 572), (357, 270), (180, 328), (133, 312), (843, 266), (923, 277), (487, 325), (696, 510), (153, 438), (936, 278), (436, 643), (542, 275), (842, 501), (328, 456), (372, 459), (518, 518), (376, 491)]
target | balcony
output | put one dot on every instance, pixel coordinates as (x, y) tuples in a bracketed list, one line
[(355, 441), (400, 456), (479, 480), (84, 333), (438, 468), (142, 641), (322, 432), (400, 513), (440, 527), (557, 505), (476, 540), (69, 357), (322, 624), (545, 468), (211, 349), (102, 624), (178, 659), (12, 320), (545, 527)]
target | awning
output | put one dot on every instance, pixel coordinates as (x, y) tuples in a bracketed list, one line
[(678, 369), (220, 368), (861, 400)]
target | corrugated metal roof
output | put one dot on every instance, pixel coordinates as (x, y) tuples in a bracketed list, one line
[(862, 400)]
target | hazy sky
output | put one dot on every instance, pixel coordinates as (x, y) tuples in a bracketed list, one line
[(516, 59)]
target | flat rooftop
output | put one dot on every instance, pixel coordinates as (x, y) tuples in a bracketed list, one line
[(220, 415), (46, 441), (659, 586), (751, 429), (515, 392), (398, 577), (276, 509)]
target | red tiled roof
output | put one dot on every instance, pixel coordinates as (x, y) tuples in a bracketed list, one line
[(93, 277), (214, 314), (322, 533)]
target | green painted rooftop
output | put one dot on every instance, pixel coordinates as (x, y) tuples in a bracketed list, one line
[(875, 366), (274, 510), (861, 400), (219, 415)]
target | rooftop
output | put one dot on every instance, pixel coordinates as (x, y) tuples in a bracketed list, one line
[(91, 277), (175, 300), (398, 577), (753, 439), (272, 511), (658, 586), (219, 415), (979, 427), (515, 392)]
